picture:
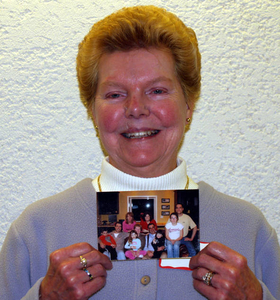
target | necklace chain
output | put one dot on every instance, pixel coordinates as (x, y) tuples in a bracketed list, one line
[(100, 189)]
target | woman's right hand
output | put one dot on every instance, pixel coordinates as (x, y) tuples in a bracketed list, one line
[(66, 279)]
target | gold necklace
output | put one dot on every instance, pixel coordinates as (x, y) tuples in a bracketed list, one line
[(100, 190)]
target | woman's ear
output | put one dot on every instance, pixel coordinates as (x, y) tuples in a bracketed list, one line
[(189, 113)]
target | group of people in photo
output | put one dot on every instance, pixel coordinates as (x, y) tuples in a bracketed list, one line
[(131, 240)]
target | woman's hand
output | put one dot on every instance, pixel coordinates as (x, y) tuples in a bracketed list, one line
[(232, 277), (66, 279)]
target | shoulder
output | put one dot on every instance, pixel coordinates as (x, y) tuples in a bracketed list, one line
[(64, 202), (184, 217), (222, 211), (211, 199), (48, 219)]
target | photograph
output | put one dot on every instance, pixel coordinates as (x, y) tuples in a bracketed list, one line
[(137, 101), (137, 226), (165, 213), (165, 207), (165, 200)]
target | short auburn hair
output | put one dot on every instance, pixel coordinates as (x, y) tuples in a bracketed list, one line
[(134, 28)]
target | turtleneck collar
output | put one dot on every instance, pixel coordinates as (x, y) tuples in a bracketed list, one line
[(113, 179)]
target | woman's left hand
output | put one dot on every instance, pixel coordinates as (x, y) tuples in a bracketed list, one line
[(232, 277)]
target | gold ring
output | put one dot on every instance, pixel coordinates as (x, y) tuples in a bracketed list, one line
[(83, 261), (207, 278)]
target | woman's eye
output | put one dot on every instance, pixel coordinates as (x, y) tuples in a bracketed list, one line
[(114, 96), (158, 91)]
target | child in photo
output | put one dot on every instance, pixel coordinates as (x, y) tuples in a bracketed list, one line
[(158, 244), (107, 242), (173, 234), (133, 244)]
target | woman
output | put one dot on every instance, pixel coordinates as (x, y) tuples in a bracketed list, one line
[(139, 78), (145, 221), (174, 232), (129, 223)]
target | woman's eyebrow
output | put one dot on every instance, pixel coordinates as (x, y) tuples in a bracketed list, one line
[(159, 79), (149, 82), (112, 83)]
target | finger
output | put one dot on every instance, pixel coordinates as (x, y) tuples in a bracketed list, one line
[(93, 286), (220, 288), (95, 257), (221, 252), (203, 260), (209, 292), (93, 272), (74, 250), (199, 273)]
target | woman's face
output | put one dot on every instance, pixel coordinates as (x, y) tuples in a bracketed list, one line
[(129, 218), (147, 218), (140, 111)]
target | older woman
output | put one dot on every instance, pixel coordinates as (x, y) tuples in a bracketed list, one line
[(139, 78)]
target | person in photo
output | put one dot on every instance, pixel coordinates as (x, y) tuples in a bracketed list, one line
[(119, 236), (173, 234), (134, 245)]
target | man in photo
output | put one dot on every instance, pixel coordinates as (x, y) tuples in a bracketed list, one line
[(119, 236), (188, 223), (149, 238)]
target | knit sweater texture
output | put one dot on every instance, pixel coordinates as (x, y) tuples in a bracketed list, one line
[(70, 217)]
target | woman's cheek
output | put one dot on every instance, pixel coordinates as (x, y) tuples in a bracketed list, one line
[(171, 114), (109, 119)]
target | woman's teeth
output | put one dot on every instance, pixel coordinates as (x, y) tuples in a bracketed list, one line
[(141, 134)]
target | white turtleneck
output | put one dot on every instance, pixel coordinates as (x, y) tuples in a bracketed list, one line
[(112, 179)]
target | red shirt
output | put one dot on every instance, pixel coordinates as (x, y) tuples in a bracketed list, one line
[(144, 224)]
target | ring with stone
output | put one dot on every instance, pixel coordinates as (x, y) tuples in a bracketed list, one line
[(207, 278), (83, 261), (88, 273)]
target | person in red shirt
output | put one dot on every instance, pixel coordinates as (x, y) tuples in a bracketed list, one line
[(107, 242), (145, 221)]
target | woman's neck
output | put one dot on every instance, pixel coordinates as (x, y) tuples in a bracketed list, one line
[(112, 179)]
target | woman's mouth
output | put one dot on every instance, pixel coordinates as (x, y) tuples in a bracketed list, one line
[(140, 134)]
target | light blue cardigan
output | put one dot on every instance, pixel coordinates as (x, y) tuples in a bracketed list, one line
[(70, 217)]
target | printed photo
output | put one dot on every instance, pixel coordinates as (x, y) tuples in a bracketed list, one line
[(165, 207), (165, 200), (135, 225), (165, 213)]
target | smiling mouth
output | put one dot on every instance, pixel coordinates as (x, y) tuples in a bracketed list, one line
[(141, 134)]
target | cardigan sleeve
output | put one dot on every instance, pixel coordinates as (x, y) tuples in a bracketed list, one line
[(15, 265), (268, 267)]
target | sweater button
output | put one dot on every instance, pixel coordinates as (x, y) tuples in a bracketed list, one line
[(145, 280)]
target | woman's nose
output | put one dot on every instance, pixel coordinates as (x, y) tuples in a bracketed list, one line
[(136, 106)]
